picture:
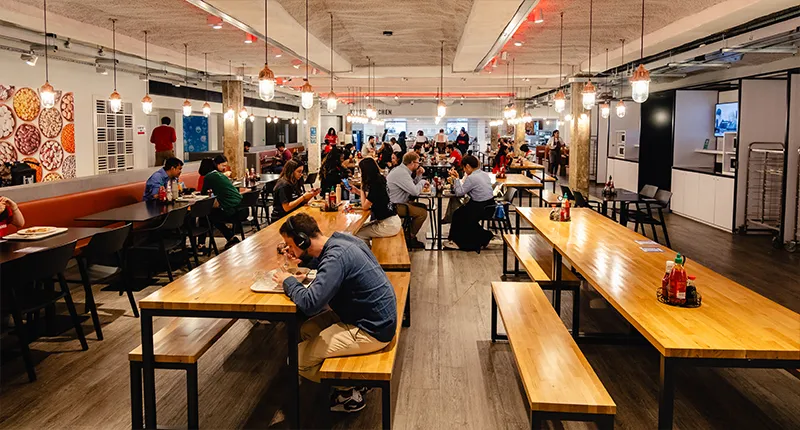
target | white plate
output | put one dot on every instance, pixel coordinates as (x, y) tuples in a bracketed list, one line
[(263, 283)]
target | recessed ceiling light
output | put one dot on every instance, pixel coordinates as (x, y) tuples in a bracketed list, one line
[(538, 18), (278, 55), (217, 26), (517, 43)]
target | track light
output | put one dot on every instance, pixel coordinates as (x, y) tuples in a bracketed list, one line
[(29, 58)]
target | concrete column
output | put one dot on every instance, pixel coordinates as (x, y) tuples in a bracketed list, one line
[(313, 136), (495, 132), (579, 142), (519, 136), (348, 132), (234, 128)]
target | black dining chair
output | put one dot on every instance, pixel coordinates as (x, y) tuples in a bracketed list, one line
[(648, 191), (566, 190), (646, 216), (199, 227), (265, 200), (405, 216), (310, 179), (582, 202), (101, 262), (249, 204), (495, 222), (28, 287), (165, 239)]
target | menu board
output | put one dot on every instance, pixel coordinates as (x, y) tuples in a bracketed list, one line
[(29, 132)]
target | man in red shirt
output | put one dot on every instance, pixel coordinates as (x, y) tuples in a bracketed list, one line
[(164, 138), (455, 155)]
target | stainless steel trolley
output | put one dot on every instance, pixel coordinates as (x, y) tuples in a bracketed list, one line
[(764, 199)]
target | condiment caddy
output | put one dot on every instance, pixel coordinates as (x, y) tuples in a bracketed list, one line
[(677, 287)]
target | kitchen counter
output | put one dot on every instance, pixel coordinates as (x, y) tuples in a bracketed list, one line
[(703, 170)]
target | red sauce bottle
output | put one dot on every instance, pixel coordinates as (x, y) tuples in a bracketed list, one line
[(677, 282)]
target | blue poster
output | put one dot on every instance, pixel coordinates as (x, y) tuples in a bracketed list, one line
[(195, 134), (313, 134)]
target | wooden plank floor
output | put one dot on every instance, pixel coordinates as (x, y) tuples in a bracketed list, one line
[(448, 375)]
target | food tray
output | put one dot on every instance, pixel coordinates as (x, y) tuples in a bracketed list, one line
[(52, 231), (263, 282)]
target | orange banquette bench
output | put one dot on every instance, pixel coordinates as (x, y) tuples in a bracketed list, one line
[(61, 211), (266, 157)]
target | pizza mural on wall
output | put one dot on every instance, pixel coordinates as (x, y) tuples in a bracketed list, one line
[(44, 136)]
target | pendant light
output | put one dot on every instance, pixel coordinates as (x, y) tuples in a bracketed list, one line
[(230, 114), (252, 117), (266, 79), (589, 93), (206, 106), (640, 81), (560, 100), (46, 92), (147, 102), (307, 91), (114, 100), (332, 103), (621, 109), (441, 108), (187, 105), (370, 111), (605, 109)]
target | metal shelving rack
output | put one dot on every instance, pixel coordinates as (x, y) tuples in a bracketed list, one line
[(793, 244), (764, 199)]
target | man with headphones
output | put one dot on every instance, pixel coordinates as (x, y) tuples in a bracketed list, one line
[(351, 303)]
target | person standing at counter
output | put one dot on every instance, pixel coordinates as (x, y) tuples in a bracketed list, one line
[(171, 171), (462, 141), (164, 138), (555, 144), (9, 215)]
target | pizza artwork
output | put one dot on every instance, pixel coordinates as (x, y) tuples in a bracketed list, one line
[(44, 138)]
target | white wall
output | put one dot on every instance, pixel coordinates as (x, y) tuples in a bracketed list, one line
[(762, 118), (602, 147), (694, 123), (630, 124), (793, 151)]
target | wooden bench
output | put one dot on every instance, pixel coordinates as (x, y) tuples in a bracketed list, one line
[(559, 382), (549, 198), (546, 178), (177, 346), (375, 369), (533, 252), (392, 254)]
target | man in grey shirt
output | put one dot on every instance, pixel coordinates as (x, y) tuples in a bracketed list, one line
[(466, 231), (405, 181)]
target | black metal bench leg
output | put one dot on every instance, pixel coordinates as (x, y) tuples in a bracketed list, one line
[(605, 422), (407, 311), (576, 312), (505, 258), (536, 421), (386, 405), (192, 407), (137, 419)]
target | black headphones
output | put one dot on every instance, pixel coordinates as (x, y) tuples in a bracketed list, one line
[(300, 239)]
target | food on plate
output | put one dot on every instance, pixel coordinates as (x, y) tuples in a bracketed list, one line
[(68, 167), (52, 177), (7, 153), (7, 121), (50, 123), (51, 155), (30, 231), (68, 107), (36, 166), (68, 138), (27, 139), (26, 104), (6, 92)]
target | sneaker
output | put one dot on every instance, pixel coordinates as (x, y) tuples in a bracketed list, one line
[(347, 401), (450, 245)]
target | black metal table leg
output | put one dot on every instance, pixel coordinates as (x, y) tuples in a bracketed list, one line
[(666, 393), (136, 395), (516, 216), (494, 319), (556, 277), (576, 312), (530, 197), (148, 369), (192, 401), (505, 258), (439, 224), (386, 405), (407, 311), (294, 394)]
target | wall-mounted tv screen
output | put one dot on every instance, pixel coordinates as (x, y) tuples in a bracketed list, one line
[(726, 118)]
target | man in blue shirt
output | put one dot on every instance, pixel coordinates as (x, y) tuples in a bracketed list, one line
[(171, 170), (353, 303)]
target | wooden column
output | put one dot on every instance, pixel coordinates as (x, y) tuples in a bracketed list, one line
[(313, 137), (234, 129), (579, 142)]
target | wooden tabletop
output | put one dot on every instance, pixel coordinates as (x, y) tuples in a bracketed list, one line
[(9, 248), (733, 321), (223, 283), (136, 212), (526, 165), (556, 375), (517, 180)]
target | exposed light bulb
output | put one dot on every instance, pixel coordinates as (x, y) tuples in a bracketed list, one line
[(266, 84), (560, 101), (621, 109), (305, 121), (229, 114), (48, 95), (307, 96), (605, 110), (568, 117), (640, 84), (147, 104), (441, 109), (243, 113), (252, 118), (589, 96), (206, 109), (115, 102), (187, 108), (332, 103), (371, 112), (437, 120)]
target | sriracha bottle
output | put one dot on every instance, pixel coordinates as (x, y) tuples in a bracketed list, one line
[(677, 282)]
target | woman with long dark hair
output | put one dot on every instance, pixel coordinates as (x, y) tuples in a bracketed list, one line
[(288, 193), (331, 140), (332, 170), (555, 146), (401, 140), (385, 155), (374, 194)]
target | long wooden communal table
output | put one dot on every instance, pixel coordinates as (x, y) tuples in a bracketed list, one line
[(220, 288), (734, 327), (521, 182), (526, 165)]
